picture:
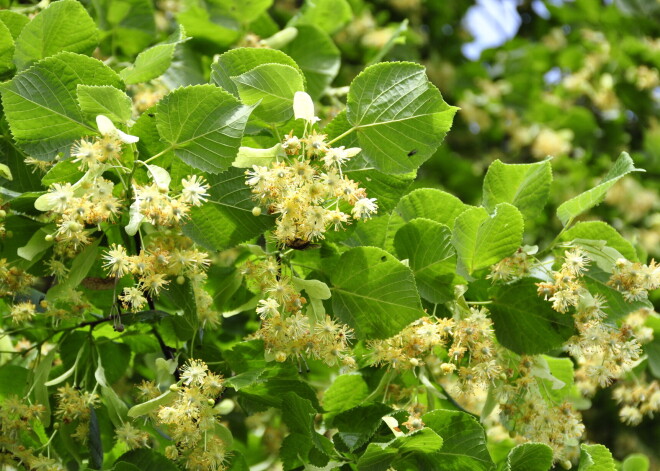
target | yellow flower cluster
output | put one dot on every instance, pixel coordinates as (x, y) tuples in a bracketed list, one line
[(635, 280), (527, 412), (16, 416), (285, 330), (191, 420), (516, 266), (159, 208), (308, 190), (566, 290), (166, 256), (13, 280), (470, 339), (74, 405), (638, 398)]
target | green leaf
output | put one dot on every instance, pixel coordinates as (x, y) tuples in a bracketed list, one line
[(652, 350), (245, 11), (270, 87), (464, 440), (243, 59), (432, 258), (226, 219), (595, 458), (400, 118), (147, 460), (357, 425), (6, 49), (80, 266), (153, 62), (203, 125), (14, 21), (63, 26), (106, 100), (317, 56), (298, 414), (63, 172), (524, 322), (201, 24), (572, 208), (433, 204), (374, 293), (635, 462), (186, 322), (598, 230), (131, 23), (387, 189), (483, 239), (329, 15), (530, 457), (376, 458), (346, 391), (46, 93), (13, 380), (526, 186), (39, 384)]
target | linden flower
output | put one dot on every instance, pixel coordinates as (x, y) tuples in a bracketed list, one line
[(267, 307), (194, 372), (117, 261), (108, 129), (364, 208), (194, 190), (339, 155)]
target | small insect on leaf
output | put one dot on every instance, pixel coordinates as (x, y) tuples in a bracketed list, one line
[(412, 152)]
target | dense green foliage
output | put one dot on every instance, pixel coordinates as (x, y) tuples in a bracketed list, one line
[(260, 235)]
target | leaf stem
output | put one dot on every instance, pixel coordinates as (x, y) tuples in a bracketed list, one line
[(342, 135)]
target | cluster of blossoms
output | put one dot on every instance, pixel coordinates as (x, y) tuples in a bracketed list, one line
[(154, 204), (567, 289), (13, 280), (191, 420), (602, 351), (286, 331), (308, 190), (146, 95), (516, 266), (16, 419), (74, 405), (638, 398), (471, 352), (166, 256), (635, 280), (526, 410), (90, 201)]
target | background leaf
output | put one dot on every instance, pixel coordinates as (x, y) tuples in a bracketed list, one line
[(524, 322), (400, 118), (432, 258), (226, 219), (63, 26), (374, 293), (483, 239), (270, 87), (203, 125), (47, 92), (526, 186), (572, 208), (105, 100), (317, 56), (529, 457)]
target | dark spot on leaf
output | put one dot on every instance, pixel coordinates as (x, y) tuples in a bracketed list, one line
[(151, 115), (383, 258), (412, 152)]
